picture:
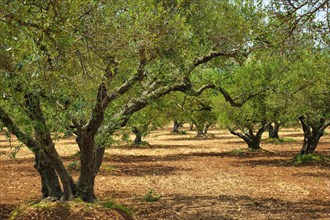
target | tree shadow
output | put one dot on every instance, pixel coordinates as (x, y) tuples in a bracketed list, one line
[(317, 175), (139, 170), (5, 210), (298, 134), (153, 146), (283, 163), (233, 154), (144, 158), (178, 206)]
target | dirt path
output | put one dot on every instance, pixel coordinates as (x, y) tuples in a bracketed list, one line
[(197, 178)]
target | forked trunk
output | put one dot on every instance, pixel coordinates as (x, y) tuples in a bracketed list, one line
[(312, 134), (254, 143), (252, 140), (309, 146), (273, 130)]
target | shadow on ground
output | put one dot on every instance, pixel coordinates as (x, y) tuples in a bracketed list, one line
[(230, 207)]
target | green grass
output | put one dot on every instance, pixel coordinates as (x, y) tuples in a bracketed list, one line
[(74, 165), (310, 158), (142, 144), (110, 204), (109, 167), (152, 196), (238, 151)]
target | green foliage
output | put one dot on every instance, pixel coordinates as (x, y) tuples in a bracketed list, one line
[(310, 158), (109, 167), (182, 133), (152, 196), (238, 151), (110, 204), (76, 155), (74, 165)]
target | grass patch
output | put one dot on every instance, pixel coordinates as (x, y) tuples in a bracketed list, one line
[(74, 165), (142, 144), (110, 204), (180, 133), (310, 158), (33, 207), (109, 167), (238, 151), (152, 196)]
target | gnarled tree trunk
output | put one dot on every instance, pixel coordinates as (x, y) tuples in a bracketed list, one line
[(49, 179), (206, 128), (273, 130), (176, 126), (50, 185), (138, 136), (252, 140), (85, 184), (312, 134), (43, 136)]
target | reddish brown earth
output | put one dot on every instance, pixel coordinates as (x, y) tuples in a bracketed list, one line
[(196, 178)]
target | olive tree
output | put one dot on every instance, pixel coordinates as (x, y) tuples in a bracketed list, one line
[(96, 64)]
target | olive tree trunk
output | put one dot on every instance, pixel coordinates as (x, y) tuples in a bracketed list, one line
[(251, 139), (176, 126), (138, 136), (49, 178), (50, 185), (312, 134), (43, 136), (273, 130)]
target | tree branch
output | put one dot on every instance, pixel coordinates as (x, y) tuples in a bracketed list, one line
[(32, 144), (209, 57)]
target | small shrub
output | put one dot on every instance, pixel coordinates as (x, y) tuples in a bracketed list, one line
[(152, 196), (309, 158), (238, 151), (74, 165), (109, 167), (109, 204)]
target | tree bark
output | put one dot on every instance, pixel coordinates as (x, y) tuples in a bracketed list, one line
[(252, 140), (176, 125), (49, 179), (43, 136), (254, 143), (138, 136), (312, 134), (273, 130), (191, 126), (50, 185), (86, 181), (206, 128)]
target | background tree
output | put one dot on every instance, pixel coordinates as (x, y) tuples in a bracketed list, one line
[(310, 97), (146, 120)]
